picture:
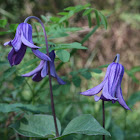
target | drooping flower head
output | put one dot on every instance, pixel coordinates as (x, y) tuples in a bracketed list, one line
[(110, 86), (23, 38), (42, 70)]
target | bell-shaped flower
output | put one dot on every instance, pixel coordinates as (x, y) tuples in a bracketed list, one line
[(23, 38), (110, 86), (42, 70)]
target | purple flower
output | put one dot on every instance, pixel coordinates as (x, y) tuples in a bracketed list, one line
[(23, 38), (111, 86), (42, 70)]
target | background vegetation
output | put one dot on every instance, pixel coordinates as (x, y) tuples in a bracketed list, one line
[(83, 70)]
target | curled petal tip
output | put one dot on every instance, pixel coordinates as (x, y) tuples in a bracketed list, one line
[(41, 55), (85, 94), (63, 83), (49, 59), (96, 98), (7, 43), (27, 43), (24, 75)]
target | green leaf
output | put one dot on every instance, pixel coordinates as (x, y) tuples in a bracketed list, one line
[(63, 13), (135, 97), (63, 19), (89, 34), (63, 55), (5, 32), (44, 18), (97, 17), (55, 19), (41, 126), (29, 62), (2, 63), (71, 13), (13, 27), (18, 81), (72, 29), (89, 20), (132, 76), (78, 8), (96, 70), (73, 73), (7, 108), (76, 81), (9, 72), (132, 72), (87, 11), (69, 8), (3, 23), (103, 19), (74, 45), (86, 75), (83, 70), (57, 32), (104, 66), (85, 124)]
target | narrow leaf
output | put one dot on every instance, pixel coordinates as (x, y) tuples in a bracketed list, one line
[(74, 45), (89, 34), (97, 17), (103, 20), (87, 11), (96, 70)]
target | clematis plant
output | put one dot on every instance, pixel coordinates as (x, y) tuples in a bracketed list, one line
[(110, 86), (23, 38)]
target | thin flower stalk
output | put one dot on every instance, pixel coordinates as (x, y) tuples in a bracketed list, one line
[(49, 74)]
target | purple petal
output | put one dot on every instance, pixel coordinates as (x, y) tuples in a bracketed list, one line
[(37, 77), (105, 93), (59, 80), (116, 72), (96, 98), (27, 31), (30, 33), (108, 70), (16, 43), (27, 43), (94, 90), (20, 54), (120, 98), (36, 70), (8, 43), (52, 55), (41, 55), (11, 57), (52, 69), (44, 71)]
